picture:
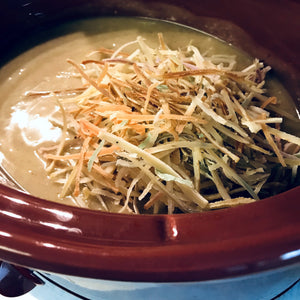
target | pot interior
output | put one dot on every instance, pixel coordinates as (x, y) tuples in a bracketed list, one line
[(63, 239)]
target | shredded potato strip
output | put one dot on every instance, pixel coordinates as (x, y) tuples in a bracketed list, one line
[(63, 136), (80, 165)]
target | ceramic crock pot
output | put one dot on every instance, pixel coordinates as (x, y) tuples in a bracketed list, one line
[(246, 252)]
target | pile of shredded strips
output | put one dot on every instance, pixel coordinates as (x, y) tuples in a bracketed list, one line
[(168, 131)]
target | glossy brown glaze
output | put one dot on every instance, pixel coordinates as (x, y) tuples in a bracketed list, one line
[(254, 237), (231, 242)]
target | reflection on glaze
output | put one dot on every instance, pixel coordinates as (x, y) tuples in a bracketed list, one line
[(290, 255), (11, 214), (6, 234), (17, 201), (64, 216), (175, 231), (171, 230), (61, 227), (12, 250), (48, 245)]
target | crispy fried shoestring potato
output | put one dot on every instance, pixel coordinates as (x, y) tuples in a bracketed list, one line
[(158, 130)]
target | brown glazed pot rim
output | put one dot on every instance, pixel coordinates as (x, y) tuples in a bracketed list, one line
[(53, 237)]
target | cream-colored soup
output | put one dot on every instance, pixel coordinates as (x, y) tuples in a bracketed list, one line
[(25, 122)]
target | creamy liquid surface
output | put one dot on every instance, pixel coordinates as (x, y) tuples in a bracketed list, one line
[(25, 121)]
